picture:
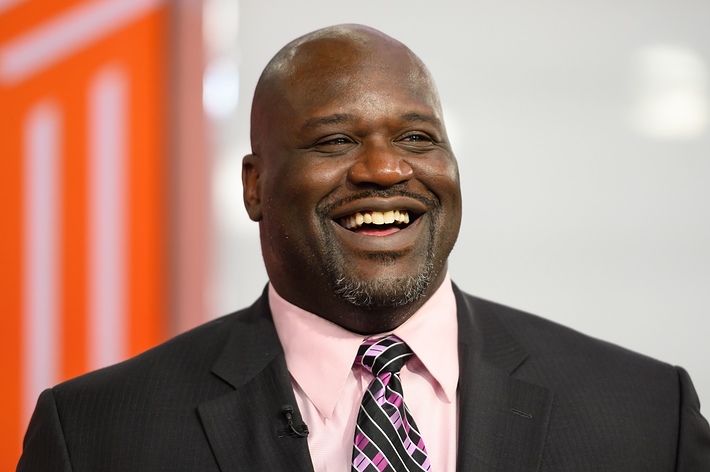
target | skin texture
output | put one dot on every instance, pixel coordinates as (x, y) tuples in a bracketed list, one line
[(345, 120)]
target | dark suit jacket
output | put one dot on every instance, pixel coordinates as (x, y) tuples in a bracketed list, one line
[(533, 396)]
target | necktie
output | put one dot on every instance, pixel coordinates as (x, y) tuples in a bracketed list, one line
[(386, 436)]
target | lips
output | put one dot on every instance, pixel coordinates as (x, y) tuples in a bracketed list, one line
[(375, 218), (363, 216)]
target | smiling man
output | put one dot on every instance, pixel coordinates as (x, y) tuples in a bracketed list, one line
[(352, 179), (361, 354)]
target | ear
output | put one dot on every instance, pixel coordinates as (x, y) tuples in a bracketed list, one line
[(251, 171)]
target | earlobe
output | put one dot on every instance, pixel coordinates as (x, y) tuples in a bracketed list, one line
[(251, 171)]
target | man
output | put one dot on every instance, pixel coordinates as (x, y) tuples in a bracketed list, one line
[(356, 192)]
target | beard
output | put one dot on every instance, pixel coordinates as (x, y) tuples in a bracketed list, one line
[(383, 292), (391, 292)]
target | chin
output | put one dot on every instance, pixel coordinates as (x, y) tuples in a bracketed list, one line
[(381, 279), (384, 291)]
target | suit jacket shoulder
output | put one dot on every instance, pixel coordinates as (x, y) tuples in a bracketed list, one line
[(546, 339), (605, 407), (209, 399)]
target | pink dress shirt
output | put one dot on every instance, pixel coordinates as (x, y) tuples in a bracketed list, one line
[(328, 389)]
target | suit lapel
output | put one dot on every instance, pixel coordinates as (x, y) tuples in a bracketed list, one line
[(247, 427), (502, 420)]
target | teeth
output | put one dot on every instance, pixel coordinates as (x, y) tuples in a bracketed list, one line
[(375, 217)]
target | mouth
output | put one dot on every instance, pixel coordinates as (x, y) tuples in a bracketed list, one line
[(377, 223)]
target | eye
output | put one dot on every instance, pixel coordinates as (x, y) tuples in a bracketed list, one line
[(417, 139), (333, 141), (333, 144)]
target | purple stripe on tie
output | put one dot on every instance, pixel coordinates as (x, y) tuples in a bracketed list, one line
[(380, 461), (361, 462), (361, 441), (395, 399)]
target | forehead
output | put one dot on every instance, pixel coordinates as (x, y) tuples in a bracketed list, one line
[(334, 70)]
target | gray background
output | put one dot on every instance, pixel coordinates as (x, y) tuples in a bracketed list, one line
[(582, 134)]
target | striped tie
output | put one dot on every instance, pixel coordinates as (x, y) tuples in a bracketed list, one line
[(386, 436)]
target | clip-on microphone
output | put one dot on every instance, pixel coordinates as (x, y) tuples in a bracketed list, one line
[(287, 411)]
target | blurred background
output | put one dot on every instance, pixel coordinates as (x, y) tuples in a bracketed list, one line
[(582, 131)]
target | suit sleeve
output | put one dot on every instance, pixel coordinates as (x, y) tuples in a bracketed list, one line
[(45, 448), (694, 432)]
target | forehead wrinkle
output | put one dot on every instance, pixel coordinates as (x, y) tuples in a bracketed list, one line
[(335, 119)]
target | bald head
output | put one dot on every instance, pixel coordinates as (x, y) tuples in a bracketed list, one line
[(324, 60), (346, 121)]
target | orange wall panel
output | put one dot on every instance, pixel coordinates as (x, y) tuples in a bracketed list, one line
[(108, 86)]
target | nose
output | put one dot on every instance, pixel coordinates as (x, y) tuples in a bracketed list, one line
[(381, 166)]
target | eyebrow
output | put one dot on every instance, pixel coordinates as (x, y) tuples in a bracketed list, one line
[(335, 119), (339, 118), (420, 117)]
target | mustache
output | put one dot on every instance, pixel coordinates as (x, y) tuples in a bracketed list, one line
[(327, 208)]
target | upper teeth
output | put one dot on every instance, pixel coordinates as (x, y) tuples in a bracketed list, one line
[(375, 217)]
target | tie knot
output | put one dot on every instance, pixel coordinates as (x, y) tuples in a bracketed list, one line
[(388, 354)]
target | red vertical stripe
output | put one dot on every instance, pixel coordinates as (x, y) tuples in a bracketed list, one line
[(148, 206), (10, 277)]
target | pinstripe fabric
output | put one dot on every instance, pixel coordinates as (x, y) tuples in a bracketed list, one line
[(386, 436)]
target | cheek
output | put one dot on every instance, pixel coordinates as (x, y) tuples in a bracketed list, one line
[(293, 195), (441, 177), (314, 179)]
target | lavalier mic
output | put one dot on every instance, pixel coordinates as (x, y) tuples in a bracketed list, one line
[(287, 411)]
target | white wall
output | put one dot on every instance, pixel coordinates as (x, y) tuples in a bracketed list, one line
[(583, 202)]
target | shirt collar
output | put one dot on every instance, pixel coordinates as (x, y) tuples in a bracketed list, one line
[(320, 354)]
